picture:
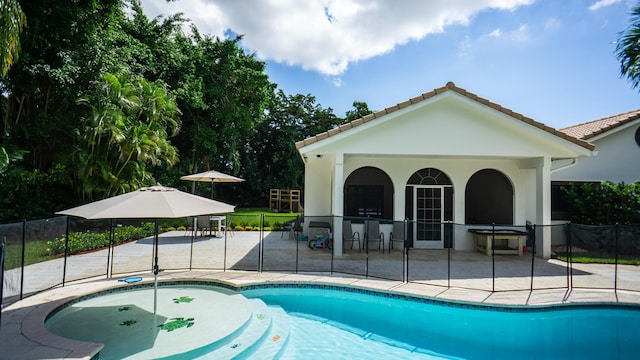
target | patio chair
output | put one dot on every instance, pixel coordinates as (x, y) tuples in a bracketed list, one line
[(203, 224), (373, 234), (189, 229), (293, 228), (348, 235), (397, 235), (227, 226)]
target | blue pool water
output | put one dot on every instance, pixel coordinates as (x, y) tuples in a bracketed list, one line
[(334, 322), (455, 330)]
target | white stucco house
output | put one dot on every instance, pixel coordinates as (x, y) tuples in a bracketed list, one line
[(446, 155), (617, 142)]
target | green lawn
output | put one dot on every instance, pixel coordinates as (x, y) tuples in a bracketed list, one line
[(598, 259), (243, 219), (35, 252), (249, 219)]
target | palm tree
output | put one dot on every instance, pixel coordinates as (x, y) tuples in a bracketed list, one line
[(628, 49), (125, 135), (12, 20)]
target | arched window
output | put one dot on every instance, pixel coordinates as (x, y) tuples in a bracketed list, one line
[(368, 191), (429, 176), (429, 204), (489, 198)]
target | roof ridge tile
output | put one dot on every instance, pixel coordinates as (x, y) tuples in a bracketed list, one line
[(450, 86)]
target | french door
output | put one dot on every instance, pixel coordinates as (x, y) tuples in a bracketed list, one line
[(428, 213)]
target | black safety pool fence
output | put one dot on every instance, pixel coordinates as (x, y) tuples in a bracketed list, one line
[(43, 254)]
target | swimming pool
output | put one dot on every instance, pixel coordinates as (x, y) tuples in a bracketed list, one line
[(332, 322), (470, 331)]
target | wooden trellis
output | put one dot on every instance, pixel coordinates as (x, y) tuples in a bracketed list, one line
[(285, 201)]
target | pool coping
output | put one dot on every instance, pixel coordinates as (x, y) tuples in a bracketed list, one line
[(33, 331)]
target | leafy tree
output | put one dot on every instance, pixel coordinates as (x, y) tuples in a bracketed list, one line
[(58, 63), (628, 49), (13, 21), (274, 161), (127, 131), (360, 109)]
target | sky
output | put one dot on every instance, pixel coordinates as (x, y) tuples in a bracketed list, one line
[(550, 60)]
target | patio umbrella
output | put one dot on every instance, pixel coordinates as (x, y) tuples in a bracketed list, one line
[(211, 176), (154, 202)]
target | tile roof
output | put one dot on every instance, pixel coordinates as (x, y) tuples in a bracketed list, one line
[(450, 86), (590, 129)]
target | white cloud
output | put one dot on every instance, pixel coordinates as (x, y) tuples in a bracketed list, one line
[(327, 35), (602, 3), (495, 33)]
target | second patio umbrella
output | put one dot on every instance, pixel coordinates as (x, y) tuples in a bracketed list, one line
[(212, 176)]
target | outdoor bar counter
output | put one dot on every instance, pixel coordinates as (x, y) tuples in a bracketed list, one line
[(484, 238)]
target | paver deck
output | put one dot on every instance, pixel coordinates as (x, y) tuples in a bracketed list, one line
[(23, 336)]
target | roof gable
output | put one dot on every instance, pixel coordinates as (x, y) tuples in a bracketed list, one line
[(450, 86), (594, 128)]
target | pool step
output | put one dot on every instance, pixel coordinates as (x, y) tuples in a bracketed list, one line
[(263, 337), (273, 344)]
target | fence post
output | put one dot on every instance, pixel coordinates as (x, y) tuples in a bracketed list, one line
[(66, 251), (261, 246), (366, 247), (297, 250), (493, 257), (533, 251), (112, 241), (24, 245), (3, 244), (615, 279), (449, 245), (405, 254), (406, 245), (224, 256), (569, 256)]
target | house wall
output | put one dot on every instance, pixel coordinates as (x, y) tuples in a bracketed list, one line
[(459, 171), (452, 133), (618, 159)]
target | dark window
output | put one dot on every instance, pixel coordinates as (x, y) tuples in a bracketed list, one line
[(368, 191), (365, 200), (638, 136), (489, 198)]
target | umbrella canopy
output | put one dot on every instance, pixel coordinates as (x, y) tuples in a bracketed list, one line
[(211, 176), (152, 202)]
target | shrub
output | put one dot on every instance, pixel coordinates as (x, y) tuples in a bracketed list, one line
[(87, 241), (604, 203)]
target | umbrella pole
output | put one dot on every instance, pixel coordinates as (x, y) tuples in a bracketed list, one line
[(212, 189), (155, 270)]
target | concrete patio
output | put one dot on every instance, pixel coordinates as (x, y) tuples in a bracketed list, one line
[(468, 278)]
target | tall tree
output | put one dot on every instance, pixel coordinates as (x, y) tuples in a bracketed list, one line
[(13, 21), (58, 63), (360, 109), (628, 49), (127, 131), (274, 161)]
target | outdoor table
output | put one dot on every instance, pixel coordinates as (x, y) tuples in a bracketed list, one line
[(483, 239), (219, 219)]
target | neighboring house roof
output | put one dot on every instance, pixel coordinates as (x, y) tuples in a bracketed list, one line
[(450, 86), (593, 128)]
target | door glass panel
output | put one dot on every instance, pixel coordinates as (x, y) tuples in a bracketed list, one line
[(428, 210)]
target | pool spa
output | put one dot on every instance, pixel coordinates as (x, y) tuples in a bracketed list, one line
[(213, 320)]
